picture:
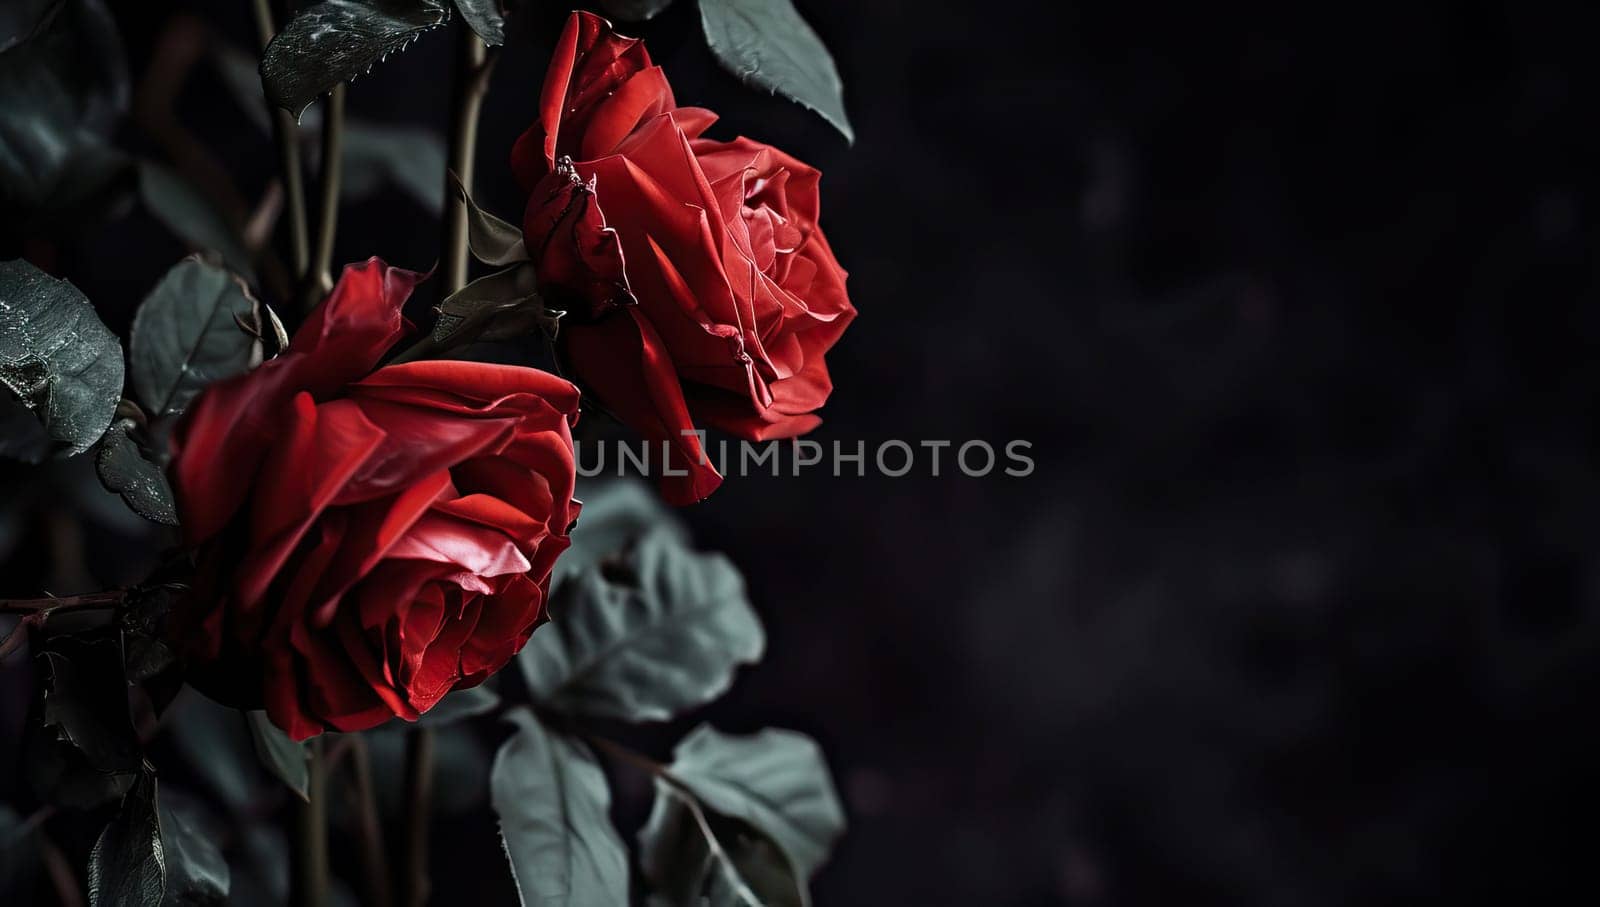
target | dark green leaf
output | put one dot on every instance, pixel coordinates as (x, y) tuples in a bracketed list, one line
[(241, 75), (127, 867), (644, 637), (122, 468), (461, 705), (486, 20), (63, 84), (282, 756), (692, 857), (774, 781), (336, 40), (767, 44), (616, 514), (502, 304), (197, 875), (143, 615), (187, 335), (185, 211), (554, 809), (56, 356), (633, 10), (492, 240), (409, 157), (81, 749)]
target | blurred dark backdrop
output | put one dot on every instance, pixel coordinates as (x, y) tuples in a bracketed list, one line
[(1298, 310)]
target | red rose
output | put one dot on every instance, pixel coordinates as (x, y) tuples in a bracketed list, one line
[(698, 286), (368, 540)]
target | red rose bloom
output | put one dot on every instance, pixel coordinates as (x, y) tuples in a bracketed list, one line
[(698, 286), (368, 540)]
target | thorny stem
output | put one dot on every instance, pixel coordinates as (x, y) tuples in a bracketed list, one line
[(286, 133), (319, 277), (106, 599), (308, 862)]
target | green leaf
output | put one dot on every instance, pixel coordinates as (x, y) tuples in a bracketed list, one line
[(186, 211), (461, 705), (337, 40), (63, 85), (409, 157), (123, 468), (241, 76), (80, 749), (775, 781), (633, 10), (502, 304), (197, 875), (645, 637), (616, 513), (127, 867), (485, 19), (692, 857), (767, 44), (554, 809), (282, 756), (146, 649), (492, 240), (187, 334), (56, 356)]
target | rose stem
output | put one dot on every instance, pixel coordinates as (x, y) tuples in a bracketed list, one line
[(308, 864), (286, 132), (419, 803), (374, 863), (105, 599), (319, 277), (473, 65)]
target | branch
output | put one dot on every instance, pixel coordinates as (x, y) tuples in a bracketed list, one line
[(414, 881), (473, 66), (286, 133), (308, 862), (319, 277), (374, 863), (106, 599)]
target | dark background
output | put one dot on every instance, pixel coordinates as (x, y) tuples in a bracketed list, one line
[(1297, 309)]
